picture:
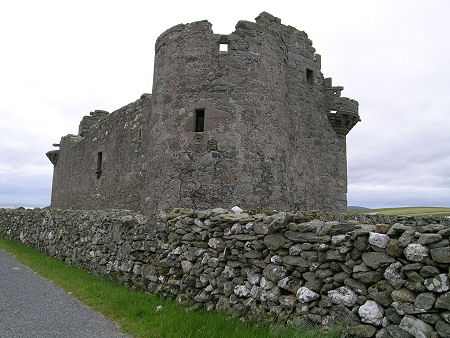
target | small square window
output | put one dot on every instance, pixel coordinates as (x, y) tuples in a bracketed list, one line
[(223, 47)]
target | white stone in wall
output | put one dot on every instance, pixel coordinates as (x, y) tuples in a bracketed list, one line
[(371, 313), (283, 283), (236, 229), (276, 260), (256, 291), (393, 274), (266, 284), (271, 295), (305, 295), (338, 239), (416, 252), (186, 266), (322, 247), (295, 250), (303, 309), (236, 210), (439, 283), (213, 243), (228, 272), (176, 251), (248, 246), (343, 295), (379, 240), (205, 258), (241, 291), (198, 222), (253, 277)]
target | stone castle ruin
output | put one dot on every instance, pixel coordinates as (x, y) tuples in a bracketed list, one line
[(241, 119)]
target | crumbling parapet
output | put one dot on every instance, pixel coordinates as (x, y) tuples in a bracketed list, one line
[(87, 121)]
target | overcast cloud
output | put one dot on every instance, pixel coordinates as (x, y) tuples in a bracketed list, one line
[(60, 60)]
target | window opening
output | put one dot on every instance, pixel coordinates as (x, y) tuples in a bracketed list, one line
[(139, 134), (223, 47), (309, 76), (199, 120), (99, 164)]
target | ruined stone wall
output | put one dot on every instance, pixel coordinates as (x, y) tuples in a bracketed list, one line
[(77, 183), (269, 138), (382, 275)]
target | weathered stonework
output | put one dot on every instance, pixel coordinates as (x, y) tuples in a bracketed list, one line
[(290, 267), (255, 126)]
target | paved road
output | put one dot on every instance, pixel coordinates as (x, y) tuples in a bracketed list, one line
[(30, 306)]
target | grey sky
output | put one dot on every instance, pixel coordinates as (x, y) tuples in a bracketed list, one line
[(60, 60)]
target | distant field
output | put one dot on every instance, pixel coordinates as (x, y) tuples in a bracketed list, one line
[(409, 211)]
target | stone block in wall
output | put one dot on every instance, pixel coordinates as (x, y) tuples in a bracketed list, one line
[(441, 255), (415, 326)]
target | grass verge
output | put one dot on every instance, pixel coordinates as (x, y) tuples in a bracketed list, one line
[(407, 211), (135, 311)]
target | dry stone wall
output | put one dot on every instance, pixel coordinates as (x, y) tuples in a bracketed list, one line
[(385, 276)]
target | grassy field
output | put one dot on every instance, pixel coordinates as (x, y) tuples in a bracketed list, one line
[(409, 211), (135, 311)]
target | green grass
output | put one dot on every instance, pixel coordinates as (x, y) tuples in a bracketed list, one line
[(135, 311), (408, 211)]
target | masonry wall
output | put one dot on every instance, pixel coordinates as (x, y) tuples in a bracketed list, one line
[(267, 141), (120, 138), (382, 275)]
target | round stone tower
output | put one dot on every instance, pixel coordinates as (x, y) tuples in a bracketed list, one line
[(245, 118)]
